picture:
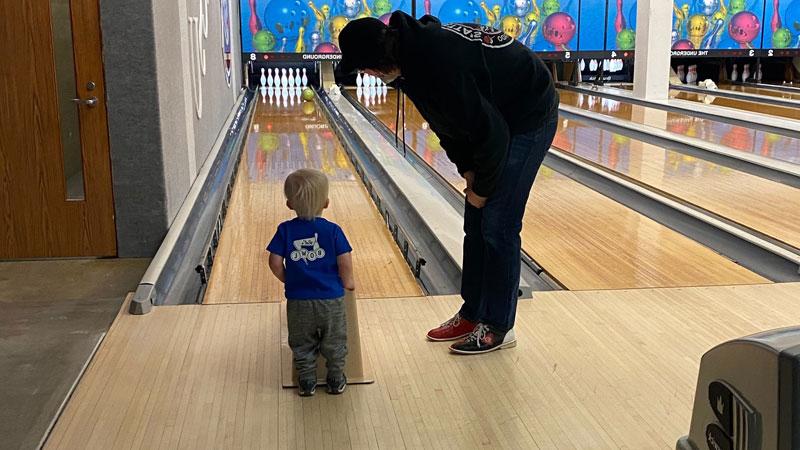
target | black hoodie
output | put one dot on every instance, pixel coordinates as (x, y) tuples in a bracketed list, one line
[(476, 87)]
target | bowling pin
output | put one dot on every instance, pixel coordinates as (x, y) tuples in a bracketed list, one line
[(359, 80), (360, 92), (735, 73), (746, 72), (263, 94), (285, 95), (284, 80), (583, 65), (681, 74), (297, 79), (304, 80), (299, 93), (263, 78), (270, 78), (291, 78), (759, 74), (271, 91), (593, 65)]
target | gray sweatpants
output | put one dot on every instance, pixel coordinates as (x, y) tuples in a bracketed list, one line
[(317, 326)]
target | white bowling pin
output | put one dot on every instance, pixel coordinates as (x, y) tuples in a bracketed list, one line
[(285, 95), (263, 78), (263, 94), (304, 80), (270, 78), (284, 80), (583, 65), (271, 91), (689, 75), (593, 65), (359, 80), (759, 74), (681, 74), (291, 78), (735, 73), (299, 93), (746, 72), (360, 92), (297, 79)]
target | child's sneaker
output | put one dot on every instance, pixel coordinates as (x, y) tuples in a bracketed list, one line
[(307, 388), (336, 385), (455, 328)]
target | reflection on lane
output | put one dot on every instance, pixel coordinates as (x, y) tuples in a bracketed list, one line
[(763, 205), (747, 140), (762, 91)]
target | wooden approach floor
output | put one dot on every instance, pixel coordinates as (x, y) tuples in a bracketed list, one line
[(593, 370)]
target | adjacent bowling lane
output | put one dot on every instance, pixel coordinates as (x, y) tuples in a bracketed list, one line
[(765, 91), (744, 105), (582, 238), (763, 205), (739, 138), (281, 140)]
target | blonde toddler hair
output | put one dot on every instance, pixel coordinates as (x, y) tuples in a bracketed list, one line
[(307, 192)]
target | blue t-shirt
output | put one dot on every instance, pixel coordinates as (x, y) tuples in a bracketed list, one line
[(309, 249)]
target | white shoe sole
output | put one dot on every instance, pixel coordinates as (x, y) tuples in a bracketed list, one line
[(499, 347)]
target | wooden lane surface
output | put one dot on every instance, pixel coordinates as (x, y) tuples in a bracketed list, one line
[(766, 206), (592, 370), (584, 239), (739, 138), (744, 105), (787, 95), (288, 139)]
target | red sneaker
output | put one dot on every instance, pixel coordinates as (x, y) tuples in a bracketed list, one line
[(455, 328)]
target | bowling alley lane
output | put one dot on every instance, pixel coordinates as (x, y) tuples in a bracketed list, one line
[(747, 140), (281, 140), (763, 205), (744, 105), (760, 90), (582, 238)]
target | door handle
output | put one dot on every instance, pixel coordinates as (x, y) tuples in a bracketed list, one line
[(90, 102)]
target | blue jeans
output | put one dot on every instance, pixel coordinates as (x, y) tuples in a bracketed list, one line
[(491, 267)]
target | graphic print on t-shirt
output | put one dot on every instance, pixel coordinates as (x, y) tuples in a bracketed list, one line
[(307, 249)]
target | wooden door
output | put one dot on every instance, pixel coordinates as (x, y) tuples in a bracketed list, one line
[(55, 173)]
